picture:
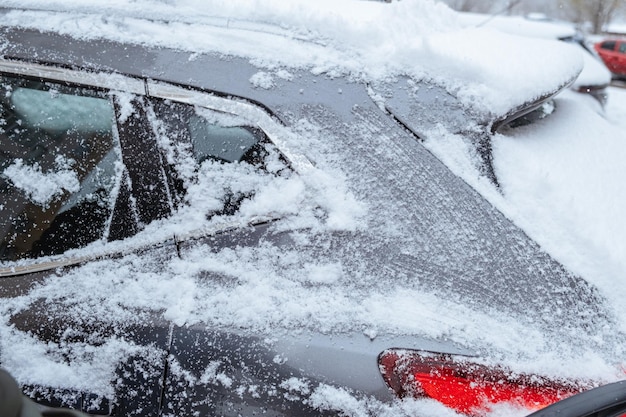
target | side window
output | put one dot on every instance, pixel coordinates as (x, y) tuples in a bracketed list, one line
[(622, 47), (225, 143), (57, 167), (220, 149), (608, 45)]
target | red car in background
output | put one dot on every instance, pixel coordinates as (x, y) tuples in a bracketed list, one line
[(613, 53)]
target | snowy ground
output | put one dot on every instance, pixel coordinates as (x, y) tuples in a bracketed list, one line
[(564, 179)]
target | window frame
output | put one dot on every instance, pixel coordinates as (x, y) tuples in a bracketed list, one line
[(255, 114)]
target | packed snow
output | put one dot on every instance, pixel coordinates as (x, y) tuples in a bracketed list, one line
[(594, 73), (561, 181), (423, 39)]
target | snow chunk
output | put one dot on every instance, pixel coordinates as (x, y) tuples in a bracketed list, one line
[(262, 80), (211, 375), (323, 274), (297, 385), (284, 74), (42, 187), (326, 397)]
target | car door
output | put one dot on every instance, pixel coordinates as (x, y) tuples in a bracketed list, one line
[(88, 162), (82, 166), (78, 169)]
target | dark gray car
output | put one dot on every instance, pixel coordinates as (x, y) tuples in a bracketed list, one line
[(127, 176)]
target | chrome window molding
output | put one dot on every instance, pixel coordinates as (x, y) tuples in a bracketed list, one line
[(108, 81), (159, 89), (120, 248), (249, 112)]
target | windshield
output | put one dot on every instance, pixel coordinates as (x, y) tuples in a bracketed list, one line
[(57, 164)]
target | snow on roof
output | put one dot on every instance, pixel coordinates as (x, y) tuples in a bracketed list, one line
[(488, 70)]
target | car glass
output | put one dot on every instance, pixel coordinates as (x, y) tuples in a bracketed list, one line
[(228, 144), (622, 47), (214, 141), (57, 167), (608, 45)]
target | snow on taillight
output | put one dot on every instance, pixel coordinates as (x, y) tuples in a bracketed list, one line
[(465, 386)]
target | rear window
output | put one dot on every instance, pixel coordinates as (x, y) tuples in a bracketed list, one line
[(608, 45), (228, 144)]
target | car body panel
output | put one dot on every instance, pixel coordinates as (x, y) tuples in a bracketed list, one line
[(441, 237), (605, 401)]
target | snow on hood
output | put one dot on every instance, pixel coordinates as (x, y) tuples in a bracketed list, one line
[(489, 71)]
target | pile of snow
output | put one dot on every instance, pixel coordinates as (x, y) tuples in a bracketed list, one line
[(594, 72), (42, 187)]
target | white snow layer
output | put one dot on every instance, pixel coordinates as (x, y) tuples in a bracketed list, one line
[(43, 187), (594, 72), (489, 72)]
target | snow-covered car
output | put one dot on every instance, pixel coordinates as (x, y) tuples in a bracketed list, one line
[(253, 226), (594, 77)]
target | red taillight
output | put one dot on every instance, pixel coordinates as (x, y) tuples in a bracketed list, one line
[(467, 387)]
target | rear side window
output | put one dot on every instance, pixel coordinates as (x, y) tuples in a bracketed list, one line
[(224, 143), (57, 167), (218, 147), (608, 45), (622, 47), (210, 134)]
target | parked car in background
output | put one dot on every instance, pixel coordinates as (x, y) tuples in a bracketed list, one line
[(613, 53), (251, 230)]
